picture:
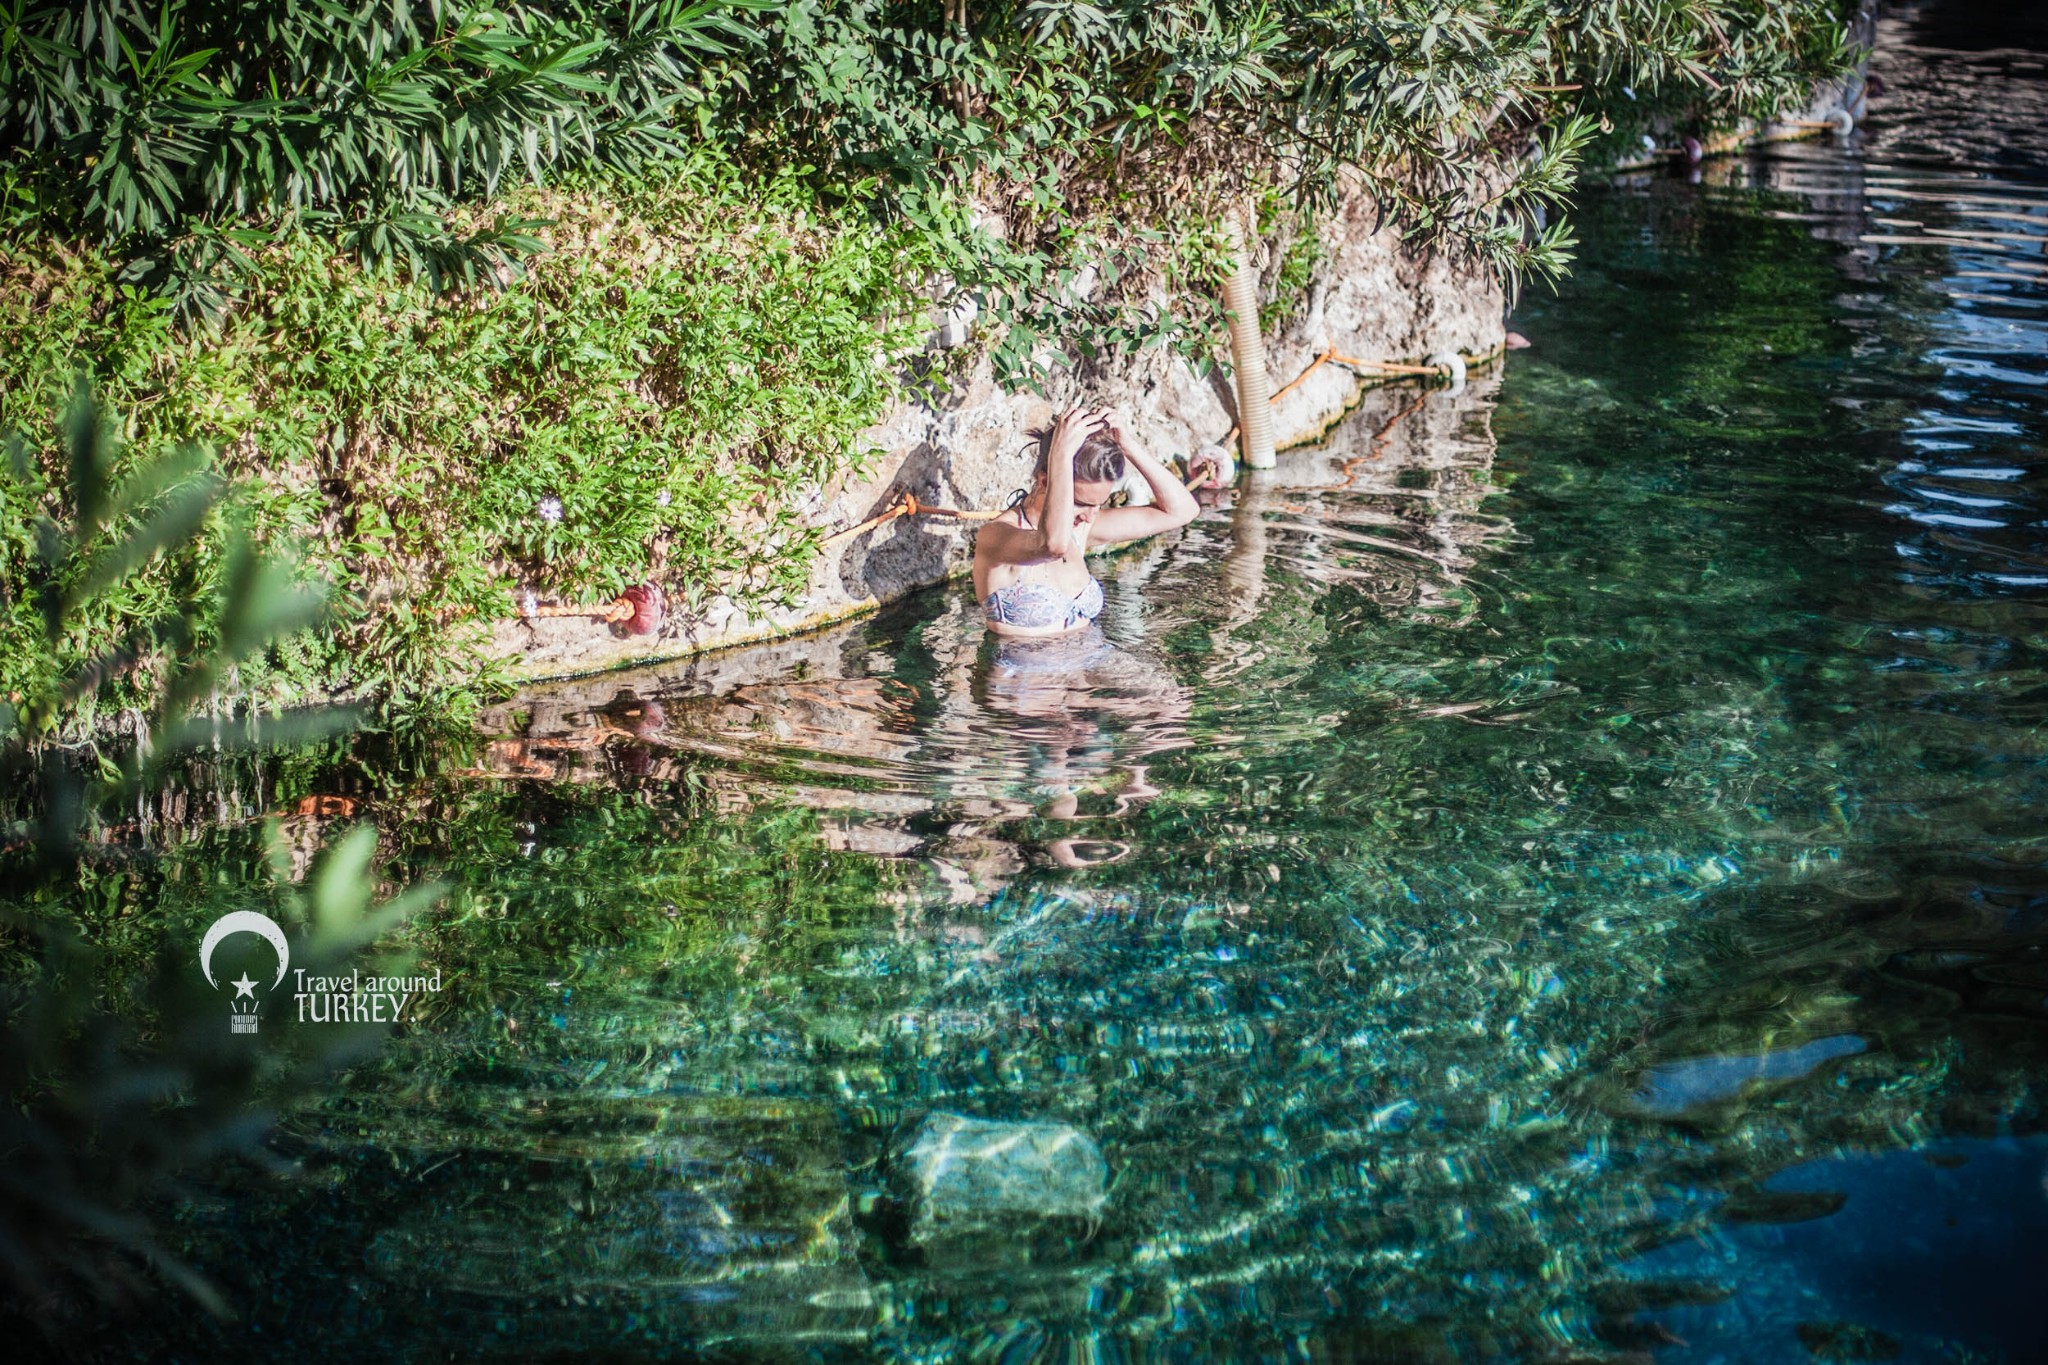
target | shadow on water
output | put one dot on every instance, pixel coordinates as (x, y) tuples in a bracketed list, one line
[(1556, 872)]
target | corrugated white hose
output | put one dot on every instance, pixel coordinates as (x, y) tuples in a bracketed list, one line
[(1248, 350)]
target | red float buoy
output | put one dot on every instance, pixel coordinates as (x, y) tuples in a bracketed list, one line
[(648, 609)]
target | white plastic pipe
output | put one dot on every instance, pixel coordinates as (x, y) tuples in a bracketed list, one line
[(1247, 347)]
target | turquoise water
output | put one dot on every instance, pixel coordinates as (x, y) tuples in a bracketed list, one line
[(1557, 872)]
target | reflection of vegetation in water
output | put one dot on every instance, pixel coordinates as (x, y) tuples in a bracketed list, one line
[(119, 1073), (643, 884), (601, 948)]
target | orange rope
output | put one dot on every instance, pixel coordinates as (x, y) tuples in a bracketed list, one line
[(914, 508), (1379, 442), (614, 611), (1353, 362), (1387, 366), (908, 506), (1379, 438), (870, 524), (1313, 366), (1378, 448)]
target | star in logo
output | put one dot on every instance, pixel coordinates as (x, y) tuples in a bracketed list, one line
[(244, 987)]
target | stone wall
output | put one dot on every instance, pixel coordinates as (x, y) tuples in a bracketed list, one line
[(1371, 298), (1421, 458)]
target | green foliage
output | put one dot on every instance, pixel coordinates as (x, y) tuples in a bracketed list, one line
[(690, 355), (1062, 111), (130, 584), (118, 1076), (1695, 70), (649, 883), (154, 127), (1298, 251), (164, 130)]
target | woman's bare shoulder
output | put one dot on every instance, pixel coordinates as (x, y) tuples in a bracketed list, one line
[(1002, 539)]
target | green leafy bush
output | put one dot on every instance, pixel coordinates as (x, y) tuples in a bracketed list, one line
[(157, 129), (648, 398), (1463, 118)]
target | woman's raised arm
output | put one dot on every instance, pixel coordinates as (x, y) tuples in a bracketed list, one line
[(1172, 505), (1056, 522)]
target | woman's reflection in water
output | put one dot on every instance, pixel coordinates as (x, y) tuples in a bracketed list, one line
[(1078, 717)]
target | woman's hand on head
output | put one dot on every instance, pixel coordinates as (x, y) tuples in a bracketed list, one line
[(1112, 424), (1074, 428)]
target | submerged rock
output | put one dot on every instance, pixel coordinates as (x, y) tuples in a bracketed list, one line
[(960, 1173), (1847, 1341), (1676, 1087), (1780, 1206)]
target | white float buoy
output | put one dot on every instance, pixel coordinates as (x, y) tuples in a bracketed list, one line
[(1223, 461), (1452, 364)]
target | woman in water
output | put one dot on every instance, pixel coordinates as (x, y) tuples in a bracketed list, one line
[(1029, 570)]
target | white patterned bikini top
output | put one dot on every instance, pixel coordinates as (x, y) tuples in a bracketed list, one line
[(1038, 605)]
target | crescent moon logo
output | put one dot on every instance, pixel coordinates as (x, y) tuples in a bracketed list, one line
[(241, 922)]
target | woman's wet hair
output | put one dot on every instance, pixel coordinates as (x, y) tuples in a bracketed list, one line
[(1099, 460)]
